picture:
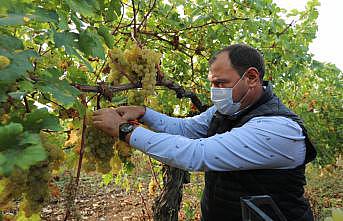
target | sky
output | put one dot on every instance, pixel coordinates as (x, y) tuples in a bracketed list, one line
[(328, 44)]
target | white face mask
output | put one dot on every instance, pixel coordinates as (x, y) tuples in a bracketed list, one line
[(223, 100)]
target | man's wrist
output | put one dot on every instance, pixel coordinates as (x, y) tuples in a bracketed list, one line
[(142, 112), (128, 136)]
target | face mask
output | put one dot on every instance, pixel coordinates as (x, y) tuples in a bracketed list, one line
[(223, 100)]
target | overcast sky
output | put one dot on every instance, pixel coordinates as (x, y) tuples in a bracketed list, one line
[(328, 45)]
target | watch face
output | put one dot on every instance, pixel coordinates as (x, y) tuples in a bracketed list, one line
[(126, 127)]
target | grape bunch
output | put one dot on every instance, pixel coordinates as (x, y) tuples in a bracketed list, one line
[(12, 187), (140, 64), (40, 175), (117, 58), (33, 183), (37, 190), (123, 149), (99, 150)]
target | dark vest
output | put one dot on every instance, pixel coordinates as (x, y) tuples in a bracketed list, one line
[(221, 196)]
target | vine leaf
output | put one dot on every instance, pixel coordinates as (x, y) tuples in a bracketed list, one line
[(114, 10), (10, 43), (61, 90), (18, 148), (41, 119), (38, 15), (19, 65), (85, 8), (90, 44), (70, 42)]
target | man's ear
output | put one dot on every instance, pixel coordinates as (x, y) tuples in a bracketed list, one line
[(253, 77)]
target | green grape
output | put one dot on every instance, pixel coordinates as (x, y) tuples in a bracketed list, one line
[(123, 149), (99, 149), (37, 189), (12, 187)]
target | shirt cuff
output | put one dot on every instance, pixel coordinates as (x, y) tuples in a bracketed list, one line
[(139, 138), (152, 117)]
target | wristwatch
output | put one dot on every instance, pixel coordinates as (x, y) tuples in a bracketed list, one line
[(124, 129)]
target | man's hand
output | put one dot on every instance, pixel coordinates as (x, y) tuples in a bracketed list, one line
[(130, 112), (108, 120)]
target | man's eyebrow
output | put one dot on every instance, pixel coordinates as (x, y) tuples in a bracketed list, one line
[(221, 80)]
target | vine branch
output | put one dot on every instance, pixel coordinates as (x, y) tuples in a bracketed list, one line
[(82, 148), (26, 103), (147, 15), (180, 91)]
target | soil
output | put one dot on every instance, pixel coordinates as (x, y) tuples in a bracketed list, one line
[(112, 203)]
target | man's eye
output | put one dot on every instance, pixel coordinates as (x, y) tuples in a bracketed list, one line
[(217, 84)]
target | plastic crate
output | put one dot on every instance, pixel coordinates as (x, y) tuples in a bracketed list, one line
[(260, 208)]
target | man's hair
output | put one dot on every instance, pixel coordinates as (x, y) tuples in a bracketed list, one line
[(243, 57)]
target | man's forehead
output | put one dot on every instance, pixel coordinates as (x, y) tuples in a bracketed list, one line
[(221, 62)]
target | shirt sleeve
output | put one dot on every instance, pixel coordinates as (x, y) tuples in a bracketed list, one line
[(191, 127), (261, 143)]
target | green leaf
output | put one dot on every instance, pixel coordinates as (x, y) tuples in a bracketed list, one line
[(45, 15), (114, 10), (9, 135), (76, 21), (63, 19), (107, 178), (26, 86), (75, 75), (20, 63), (10, 43), (14, 19), (18, 148), (90, 44), (67, 39), (61, 90), (116, 5), (81, 109), (84, 7), (39, 15), (104, 32), (17, 95), (118, 100), (41, 119), (70, 42)]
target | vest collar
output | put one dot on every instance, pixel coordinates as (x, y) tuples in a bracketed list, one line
[(266, 96)]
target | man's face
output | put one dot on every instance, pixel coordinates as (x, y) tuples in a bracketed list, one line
[(223, 75)]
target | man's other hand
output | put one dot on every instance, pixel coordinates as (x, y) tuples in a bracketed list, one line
[(108, 120), (131, 112)]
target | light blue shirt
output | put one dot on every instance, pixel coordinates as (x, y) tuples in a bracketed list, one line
[(271, 142)]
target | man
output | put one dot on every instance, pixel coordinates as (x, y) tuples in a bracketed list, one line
[(248, 143)]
